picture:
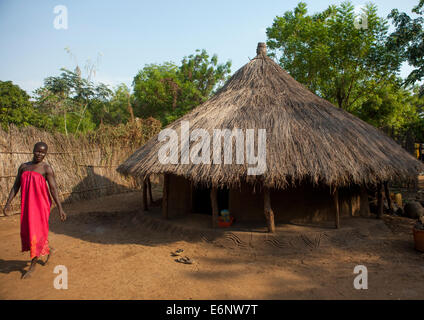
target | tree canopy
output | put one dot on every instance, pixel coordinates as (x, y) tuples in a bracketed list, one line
[(71, 101), (408, 40), (16, 108), (330, 54), (167, 91), (352, 61)]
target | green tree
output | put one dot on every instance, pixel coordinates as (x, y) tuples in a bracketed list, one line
[(390, 108), (156, 89), (203, 73), (417, 123), (408, 40), (70, 99), (54, 98), (16, 108), (331, 55), (167, 91), (115, 108)]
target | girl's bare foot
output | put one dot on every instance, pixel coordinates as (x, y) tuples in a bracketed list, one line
[(27, 274), (31, 268), (52, 251)]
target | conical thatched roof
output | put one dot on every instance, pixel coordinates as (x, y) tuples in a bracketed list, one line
[(307, 137)]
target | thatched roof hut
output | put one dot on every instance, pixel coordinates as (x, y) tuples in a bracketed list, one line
[(309, 142)]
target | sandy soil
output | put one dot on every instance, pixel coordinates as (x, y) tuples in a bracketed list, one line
[(114, 252)]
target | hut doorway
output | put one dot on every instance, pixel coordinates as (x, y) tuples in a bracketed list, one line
[(202, 199)]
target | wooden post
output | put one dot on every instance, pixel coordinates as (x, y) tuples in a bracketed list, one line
[(145, 206), (355, 202), (337, 208), (379, 200), (149, 186), (387, 194), (165, 196), (214, 203), (269, 214), (364, 203)]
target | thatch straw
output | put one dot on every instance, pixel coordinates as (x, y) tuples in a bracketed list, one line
[(307, 137)]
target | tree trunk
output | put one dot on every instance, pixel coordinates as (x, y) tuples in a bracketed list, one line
[(130, 109), (269, 214), (81, 117), (410, 142), (64, 119)]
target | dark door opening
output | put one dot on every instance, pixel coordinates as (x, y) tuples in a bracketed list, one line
[(223, 197), (202, 200)]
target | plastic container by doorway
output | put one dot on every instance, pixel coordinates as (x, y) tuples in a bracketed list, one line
[(225, 214), (224, 224), (225, 219)]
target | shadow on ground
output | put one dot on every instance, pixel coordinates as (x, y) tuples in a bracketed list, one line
[(8, 266), (94, 186)]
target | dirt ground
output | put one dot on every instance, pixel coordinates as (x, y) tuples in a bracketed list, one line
[(112, 251)]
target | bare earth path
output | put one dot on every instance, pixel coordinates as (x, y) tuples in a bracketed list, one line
[(111, 253)]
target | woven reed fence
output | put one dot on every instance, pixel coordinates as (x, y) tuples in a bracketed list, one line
[(85, 166)]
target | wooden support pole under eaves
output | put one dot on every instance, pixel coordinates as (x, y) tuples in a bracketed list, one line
[(149, 186), (145, 206), (387, 195), (165, 196), (214, 203), (364, 203), (269, 214), (379, 200), (337, 208)]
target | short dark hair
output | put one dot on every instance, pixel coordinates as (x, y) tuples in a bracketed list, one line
[(41, 144)]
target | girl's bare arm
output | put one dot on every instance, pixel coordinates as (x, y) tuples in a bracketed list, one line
[(53, 190), (14, 190)]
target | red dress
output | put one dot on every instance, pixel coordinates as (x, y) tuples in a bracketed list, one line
[(35, 212)]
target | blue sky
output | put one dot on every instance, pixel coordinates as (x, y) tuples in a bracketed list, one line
[(129, 34)]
